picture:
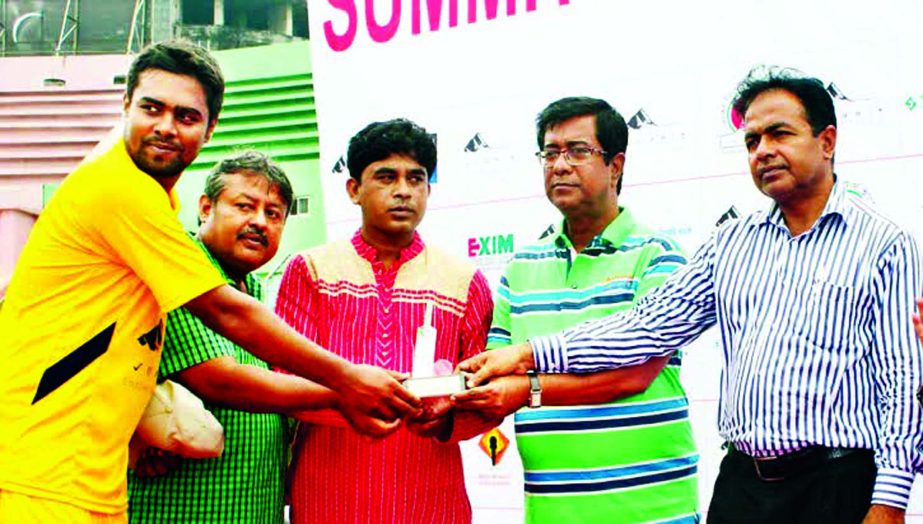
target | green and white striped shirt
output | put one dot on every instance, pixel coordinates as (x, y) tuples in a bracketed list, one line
[(246, 483), (633, 460)]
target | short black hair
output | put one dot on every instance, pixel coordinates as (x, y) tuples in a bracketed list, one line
[(249, 163), (611, 130), (380, 140), (181, 57), (811, 92)]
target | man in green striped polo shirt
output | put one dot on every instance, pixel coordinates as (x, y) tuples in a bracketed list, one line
[(242, 214), (614, 446)]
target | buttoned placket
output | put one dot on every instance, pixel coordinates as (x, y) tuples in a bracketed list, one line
[(564, 246), (384, 351), (573, 276), (384, 286), (784, 266)]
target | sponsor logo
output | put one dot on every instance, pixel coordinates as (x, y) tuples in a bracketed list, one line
[(835, 92), (494, 444), (475, 144), (490, 245), (730, 214), (340, 166), (734, 119), (153, 338), (640, 119)]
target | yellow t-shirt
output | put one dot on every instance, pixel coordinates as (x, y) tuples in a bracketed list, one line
[(81, 330)]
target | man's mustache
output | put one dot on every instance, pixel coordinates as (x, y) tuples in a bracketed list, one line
[(254, 231), (153, 140)]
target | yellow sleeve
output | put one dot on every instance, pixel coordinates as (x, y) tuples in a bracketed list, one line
[(140, 229)]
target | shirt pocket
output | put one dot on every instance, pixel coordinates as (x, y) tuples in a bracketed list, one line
[(828, 316)]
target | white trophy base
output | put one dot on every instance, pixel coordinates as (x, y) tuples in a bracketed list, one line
[(426, 387)]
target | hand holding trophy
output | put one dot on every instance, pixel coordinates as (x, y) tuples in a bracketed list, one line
[(425, 380)]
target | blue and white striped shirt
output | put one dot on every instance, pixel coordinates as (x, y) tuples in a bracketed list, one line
[(818, 346)]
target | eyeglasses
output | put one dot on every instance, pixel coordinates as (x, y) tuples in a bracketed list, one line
[(574, 156)]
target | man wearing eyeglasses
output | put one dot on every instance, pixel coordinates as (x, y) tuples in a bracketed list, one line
[(617, 446), (811, 296)]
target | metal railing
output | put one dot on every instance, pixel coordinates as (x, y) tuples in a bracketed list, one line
[(69, 25), (216, 37)]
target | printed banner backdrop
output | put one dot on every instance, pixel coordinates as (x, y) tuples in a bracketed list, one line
[(477, 72)]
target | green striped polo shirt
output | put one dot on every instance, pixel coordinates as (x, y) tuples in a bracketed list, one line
[(245, 484), (633, 460)]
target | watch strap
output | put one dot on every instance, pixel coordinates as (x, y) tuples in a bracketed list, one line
[(535, 389)]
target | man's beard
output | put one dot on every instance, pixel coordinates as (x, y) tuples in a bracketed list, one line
[(158, 169)]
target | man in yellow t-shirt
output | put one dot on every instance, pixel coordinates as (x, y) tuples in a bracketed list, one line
[(83, 320)]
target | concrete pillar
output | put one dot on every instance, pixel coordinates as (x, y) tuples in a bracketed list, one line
[(163, 14), (280, 18), (219, 13)]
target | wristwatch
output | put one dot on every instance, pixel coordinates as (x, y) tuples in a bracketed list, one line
[(535, 389)]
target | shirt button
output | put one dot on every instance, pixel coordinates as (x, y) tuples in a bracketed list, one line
[(387, 309), (384, 336), (573, 286)]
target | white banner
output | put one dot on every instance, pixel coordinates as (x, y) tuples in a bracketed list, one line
[(476, 73)]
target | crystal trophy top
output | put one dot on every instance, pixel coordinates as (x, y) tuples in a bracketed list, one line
[(424, 351), (423, 381)]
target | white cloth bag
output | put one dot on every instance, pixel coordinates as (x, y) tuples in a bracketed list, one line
[(175, 420)]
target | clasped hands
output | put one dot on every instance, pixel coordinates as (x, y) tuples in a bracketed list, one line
[(498, 387), (377, 404), (431, 417)]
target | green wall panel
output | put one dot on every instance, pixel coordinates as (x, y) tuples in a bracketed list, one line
[(268, 106)]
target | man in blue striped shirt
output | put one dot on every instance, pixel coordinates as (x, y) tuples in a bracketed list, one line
[(812, 298)]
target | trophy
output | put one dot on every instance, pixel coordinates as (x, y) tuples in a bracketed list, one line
[(425, 379)]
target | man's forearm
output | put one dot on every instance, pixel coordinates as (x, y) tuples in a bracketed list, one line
[(590, 348), (599, 387), (883, 514), (252, 326), (224, 382)]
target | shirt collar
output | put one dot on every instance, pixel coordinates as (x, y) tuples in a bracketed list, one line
[(366, 251), (836, 205), (615, 233), (250, 281)]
